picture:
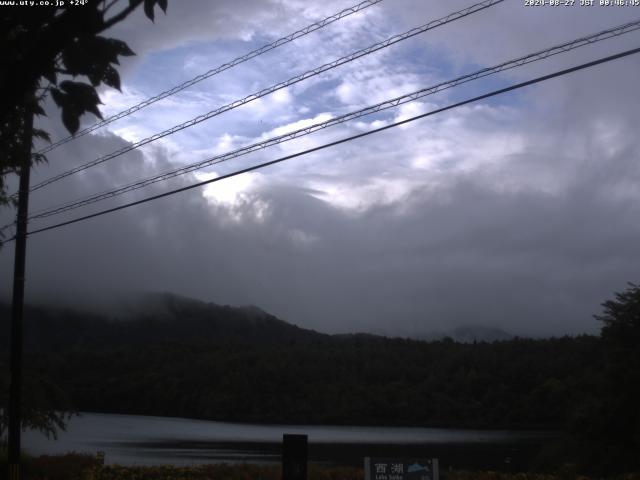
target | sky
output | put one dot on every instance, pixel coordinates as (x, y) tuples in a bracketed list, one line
[(518, 212)]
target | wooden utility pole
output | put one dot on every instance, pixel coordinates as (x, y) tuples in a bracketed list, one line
[(17, 304)]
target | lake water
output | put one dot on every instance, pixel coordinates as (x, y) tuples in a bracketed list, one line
[(141, 440)]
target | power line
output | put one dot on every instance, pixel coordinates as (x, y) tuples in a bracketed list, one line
[(530, 58), (343, 140), (219, 69), (298, 78)]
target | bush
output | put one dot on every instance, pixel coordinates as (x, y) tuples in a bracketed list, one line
[(72, 466)]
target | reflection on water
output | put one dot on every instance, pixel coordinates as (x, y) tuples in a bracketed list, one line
[(139, 440)]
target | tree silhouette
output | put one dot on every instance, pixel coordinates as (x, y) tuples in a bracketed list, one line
[(47, 407), (606, 422), (621, 342), (42, 51)]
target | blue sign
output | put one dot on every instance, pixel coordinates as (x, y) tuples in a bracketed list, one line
[(400, 468)]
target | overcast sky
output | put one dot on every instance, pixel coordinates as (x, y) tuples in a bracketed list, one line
[(518, 212)]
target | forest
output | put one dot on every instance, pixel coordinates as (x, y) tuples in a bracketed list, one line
[(197, 360)]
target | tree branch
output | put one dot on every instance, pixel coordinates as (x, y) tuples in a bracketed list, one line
[(106, 8), (120, 16)]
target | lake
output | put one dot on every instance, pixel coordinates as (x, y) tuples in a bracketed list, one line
[(143, 440)]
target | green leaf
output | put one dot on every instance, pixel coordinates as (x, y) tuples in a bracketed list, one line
[(58, 97), (78, 57), (40, 158), (38, 110), (93, 108), (51, 76), (121, 47), (105, 50), (148, 8), (111, 77), (93, 56), (95, 78), (150, 4), (81, 93), (38, 133), (71, 120), (77, 99)]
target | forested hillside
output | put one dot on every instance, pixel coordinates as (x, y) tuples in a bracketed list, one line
[(188, 358), (156, 319)]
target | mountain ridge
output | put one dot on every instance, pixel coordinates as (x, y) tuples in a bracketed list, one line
[(160, 318), (154, 318)]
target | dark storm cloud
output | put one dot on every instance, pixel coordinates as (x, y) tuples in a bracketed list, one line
[(530, 238), (529, 263), (189, 21)]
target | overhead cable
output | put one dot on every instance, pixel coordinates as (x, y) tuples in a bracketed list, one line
[(298, 78), (341, 141), (214, 71), (387, 104)]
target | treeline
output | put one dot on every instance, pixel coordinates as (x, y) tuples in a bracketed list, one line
[(520, 383), (203, 361)]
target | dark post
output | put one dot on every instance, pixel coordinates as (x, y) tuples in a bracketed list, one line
[(15, 389), (294, 457)]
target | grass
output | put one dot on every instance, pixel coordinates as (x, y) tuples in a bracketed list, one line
[(216, 472), (72, 466), (77, 466)]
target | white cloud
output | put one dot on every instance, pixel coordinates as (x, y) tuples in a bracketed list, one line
[(235, 197), (297, 125), (528, 201), (363, 196)]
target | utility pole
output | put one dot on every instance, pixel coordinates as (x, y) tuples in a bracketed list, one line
[(17, 303)]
